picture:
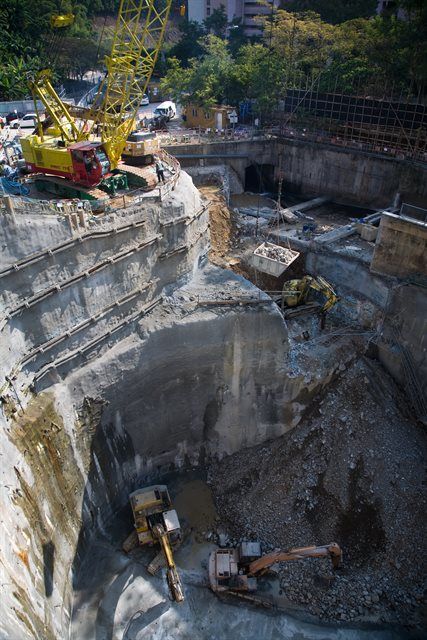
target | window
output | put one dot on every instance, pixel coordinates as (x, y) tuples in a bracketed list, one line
[(207, 115), (194, 111), (208, 11)]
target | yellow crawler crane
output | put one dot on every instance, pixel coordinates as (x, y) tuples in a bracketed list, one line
[(85, 147)]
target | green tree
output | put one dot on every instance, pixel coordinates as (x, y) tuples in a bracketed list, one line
[(236, 36), (188, 45), (217, 22), (207, 80), (13, 77)]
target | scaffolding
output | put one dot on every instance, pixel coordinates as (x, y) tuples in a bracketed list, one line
[(391, 123)]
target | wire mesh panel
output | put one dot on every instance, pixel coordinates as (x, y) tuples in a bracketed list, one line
[(392, 124)]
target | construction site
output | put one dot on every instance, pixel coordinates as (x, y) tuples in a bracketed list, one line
[(213, 378)]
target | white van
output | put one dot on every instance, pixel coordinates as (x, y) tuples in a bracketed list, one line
[(166, 109)]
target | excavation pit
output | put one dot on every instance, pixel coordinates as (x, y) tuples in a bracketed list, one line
[(195, 376)]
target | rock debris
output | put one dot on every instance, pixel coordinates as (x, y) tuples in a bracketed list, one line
[(350, 472)]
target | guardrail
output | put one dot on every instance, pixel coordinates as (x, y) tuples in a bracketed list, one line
[(80, 210), (18, 204)]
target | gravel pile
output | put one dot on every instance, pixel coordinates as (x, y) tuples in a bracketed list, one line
[(351, 472)]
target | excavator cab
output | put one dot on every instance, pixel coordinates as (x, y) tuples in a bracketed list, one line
[(90, 163)]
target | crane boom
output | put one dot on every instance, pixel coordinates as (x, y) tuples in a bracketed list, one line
[(43, 90), (138, 36)]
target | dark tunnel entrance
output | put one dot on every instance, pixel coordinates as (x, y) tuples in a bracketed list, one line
[(259, 178)]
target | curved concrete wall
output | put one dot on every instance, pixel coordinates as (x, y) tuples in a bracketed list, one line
[(132, 392), (347, 175), (167, 397)]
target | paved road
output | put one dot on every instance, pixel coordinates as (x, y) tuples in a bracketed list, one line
[(8, 134)]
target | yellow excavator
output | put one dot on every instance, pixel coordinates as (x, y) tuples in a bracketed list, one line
[(156, 522), (295, 294), (237, 570)]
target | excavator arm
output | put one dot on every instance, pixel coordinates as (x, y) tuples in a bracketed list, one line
[(261, 565), (295, 292), (322, 285), (174, 580)]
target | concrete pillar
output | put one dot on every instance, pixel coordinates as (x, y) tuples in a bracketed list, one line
[(82, 218), (10, 209)]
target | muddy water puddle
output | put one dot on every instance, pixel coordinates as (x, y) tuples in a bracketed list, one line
[(194, 502), (252, 200)]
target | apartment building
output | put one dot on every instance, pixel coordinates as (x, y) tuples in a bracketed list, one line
[(246, 10)]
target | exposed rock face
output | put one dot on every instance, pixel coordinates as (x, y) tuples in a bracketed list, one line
[(126, 389)]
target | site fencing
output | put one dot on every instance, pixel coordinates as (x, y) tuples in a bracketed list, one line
[(80, 211)]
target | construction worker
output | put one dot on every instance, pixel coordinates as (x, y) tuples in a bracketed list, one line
[(6, 171), (160, 170)]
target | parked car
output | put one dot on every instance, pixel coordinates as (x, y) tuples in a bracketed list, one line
[(27, 121), (14, 115), (145, 100)]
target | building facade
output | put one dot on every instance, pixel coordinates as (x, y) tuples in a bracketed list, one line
[(245, 10)]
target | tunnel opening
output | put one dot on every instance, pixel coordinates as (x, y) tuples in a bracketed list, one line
[(259, 178)]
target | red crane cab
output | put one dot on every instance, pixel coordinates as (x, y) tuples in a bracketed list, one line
[(90, 163)]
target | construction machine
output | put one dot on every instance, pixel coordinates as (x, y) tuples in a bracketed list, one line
[(237, 570), (295, 293), (77, 150), (156, 522)]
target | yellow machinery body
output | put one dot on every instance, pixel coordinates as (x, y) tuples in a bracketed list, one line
[(295, 292), (157, 522), (106, 126), (47, 154)]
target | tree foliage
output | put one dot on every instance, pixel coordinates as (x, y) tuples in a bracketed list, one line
[(338, 43), (27, 40), (334, 11), (355, 56)]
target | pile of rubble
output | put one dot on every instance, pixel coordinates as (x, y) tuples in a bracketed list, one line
[(351, 472), (275, 252)]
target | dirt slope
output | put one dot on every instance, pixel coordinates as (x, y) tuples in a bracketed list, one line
[(351, 472)]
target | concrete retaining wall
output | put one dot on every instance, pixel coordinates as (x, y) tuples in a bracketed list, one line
[(58, 286), (401, 247), (310, 168)]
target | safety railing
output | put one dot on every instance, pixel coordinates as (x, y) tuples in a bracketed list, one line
[(81, 210)]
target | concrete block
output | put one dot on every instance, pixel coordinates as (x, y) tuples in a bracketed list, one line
[(367, 232)]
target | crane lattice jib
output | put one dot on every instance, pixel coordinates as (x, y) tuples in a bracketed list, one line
[(138, 37), (43, 90)]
